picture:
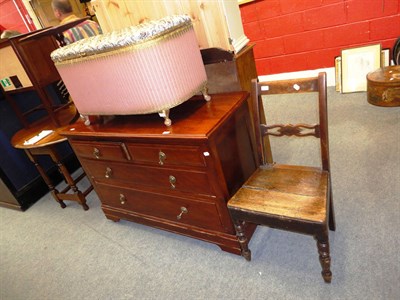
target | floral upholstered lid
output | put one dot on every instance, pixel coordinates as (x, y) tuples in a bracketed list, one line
[(129, 36)]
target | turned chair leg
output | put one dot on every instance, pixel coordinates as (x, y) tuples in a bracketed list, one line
[(239, 227), (324, 256)]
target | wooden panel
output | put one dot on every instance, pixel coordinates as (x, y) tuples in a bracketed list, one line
[(207, 16), (246, 67), (213, 20), (11, 66), (193, 10), (112, 15), (36, 57)]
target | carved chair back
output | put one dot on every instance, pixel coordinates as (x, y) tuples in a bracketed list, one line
[(294, 86)]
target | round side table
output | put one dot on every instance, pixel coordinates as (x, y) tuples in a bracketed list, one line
[(28, 140)]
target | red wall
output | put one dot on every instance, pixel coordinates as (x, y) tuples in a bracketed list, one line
[(296, 35), (10, 18)]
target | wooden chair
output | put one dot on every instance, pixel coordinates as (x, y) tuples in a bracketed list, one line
[(294, 198)]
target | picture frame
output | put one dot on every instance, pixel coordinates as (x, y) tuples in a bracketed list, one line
[(385, 57), (338, 74), (356, 64), (245, 1)]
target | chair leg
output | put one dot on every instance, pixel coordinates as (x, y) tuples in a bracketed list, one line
[(324, 256), (332, 223), (239, 227)]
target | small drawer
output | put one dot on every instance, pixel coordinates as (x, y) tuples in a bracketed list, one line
[(167, 179), (167, 155), (114, 151), (181, 210)]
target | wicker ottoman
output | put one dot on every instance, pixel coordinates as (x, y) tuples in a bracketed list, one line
[(149, 68)]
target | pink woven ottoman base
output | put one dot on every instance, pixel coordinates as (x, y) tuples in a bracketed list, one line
[(137, 81)]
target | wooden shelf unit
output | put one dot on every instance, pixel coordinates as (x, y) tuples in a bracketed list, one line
[(28, 67)]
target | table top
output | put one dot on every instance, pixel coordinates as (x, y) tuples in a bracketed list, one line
[(21, 139)]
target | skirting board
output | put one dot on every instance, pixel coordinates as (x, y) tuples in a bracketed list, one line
[(330, 72)]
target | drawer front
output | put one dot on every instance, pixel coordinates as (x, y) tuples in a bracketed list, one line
[(115, 151), (175, 209), (167, 155), (195, 182)]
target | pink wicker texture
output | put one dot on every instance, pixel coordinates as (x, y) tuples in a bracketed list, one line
[(141, 81)]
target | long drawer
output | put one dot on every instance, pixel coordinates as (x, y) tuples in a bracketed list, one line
[(176, 209), (167, 179)]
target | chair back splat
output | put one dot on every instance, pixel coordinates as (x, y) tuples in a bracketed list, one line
[(289, 197)]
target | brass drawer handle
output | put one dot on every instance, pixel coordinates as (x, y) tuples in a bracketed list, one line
[(122, 199), (126, 152), (184, 210), (172, 181), (108, 172), (96, 153), (161, 157)]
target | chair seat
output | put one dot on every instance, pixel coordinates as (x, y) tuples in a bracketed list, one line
[(295, 192)]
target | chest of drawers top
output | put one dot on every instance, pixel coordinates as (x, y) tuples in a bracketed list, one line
[(194, 119)]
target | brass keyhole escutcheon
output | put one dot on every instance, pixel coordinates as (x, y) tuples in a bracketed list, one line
[(161, 157), (96, 153), (108, 172), (184, 210), (122, 199), (172, 181)]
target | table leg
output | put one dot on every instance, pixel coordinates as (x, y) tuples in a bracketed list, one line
[(70, 181), (46, 179)]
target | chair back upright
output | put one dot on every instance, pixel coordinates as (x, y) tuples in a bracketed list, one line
[(294, 86)]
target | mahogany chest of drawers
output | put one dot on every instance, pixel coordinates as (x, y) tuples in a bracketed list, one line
[(176, 178)]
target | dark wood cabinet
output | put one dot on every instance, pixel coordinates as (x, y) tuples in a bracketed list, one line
[(176, 178)]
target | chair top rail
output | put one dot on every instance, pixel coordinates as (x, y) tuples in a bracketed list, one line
[(301, 85)]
